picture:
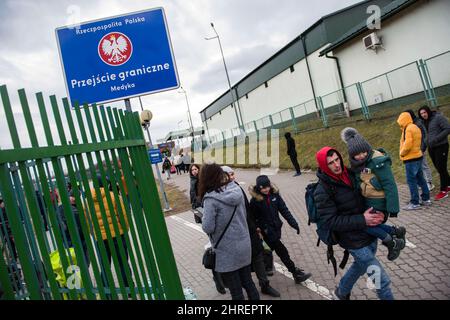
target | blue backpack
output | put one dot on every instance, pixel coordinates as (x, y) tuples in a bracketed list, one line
[(324, 234)]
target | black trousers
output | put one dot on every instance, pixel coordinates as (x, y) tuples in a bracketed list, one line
[(217, 277), (439, 156), (122, 261), (241, 278), (283, 253), (295, 162), (260, 269)]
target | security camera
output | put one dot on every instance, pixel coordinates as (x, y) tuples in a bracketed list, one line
[(146, 116)]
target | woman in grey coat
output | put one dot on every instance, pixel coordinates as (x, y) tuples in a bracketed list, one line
[(233, 254), (438, 129)]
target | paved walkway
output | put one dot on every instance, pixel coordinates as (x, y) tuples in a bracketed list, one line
[(421, 272)]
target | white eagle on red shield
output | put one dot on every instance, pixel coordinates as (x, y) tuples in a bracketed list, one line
[(115, 48)]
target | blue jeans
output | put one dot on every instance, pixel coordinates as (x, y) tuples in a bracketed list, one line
[(365, 261), (381, 231), (414, 177)]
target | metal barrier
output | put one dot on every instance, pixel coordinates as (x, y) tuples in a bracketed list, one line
[(427, 79), (81, 219)]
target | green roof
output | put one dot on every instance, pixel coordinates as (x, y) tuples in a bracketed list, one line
[(184, 133), (386, 12)]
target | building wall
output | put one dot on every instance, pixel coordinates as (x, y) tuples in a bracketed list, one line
[(420, 31), (224, 120), (284, 90), (325, 77), (287, 89)]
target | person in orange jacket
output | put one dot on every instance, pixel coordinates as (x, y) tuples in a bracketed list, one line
[(411, 155), (109, 224)]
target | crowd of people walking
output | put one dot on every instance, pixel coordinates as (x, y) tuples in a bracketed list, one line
[(351, 204)]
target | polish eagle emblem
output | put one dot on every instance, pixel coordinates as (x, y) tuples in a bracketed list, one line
[(115, 48)]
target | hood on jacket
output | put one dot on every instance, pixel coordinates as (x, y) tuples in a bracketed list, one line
[(287, 135), (231, 194), (321, 158), (413, 115), (404, 119), (259, 196)]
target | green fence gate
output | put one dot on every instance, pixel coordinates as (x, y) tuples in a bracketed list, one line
[(81, 219)]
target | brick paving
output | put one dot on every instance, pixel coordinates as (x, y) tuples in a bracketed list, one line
[(421, 272)]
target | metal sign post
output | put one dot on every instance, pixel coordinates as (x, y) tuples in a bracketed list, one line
[(128, 105), (161, 183)]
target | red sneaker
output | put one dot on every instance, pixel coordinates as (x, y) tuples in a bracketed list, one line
[(441, 195), (448, 189)]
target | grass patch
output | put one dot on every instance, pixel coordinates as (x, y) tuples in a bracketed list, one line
[(178, 200)]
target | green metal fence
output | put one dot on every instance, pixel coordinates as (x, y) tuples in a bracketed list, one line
[(104, 235)]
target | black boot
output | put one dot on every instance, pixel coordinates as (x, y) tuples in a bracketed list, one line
[(394, 246), (400, 232), (300, 276), (267, 289)]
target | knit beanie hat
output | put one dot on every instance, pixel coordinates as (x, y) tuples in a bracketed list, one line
[(262, 182), (227, 169), (355, 142)]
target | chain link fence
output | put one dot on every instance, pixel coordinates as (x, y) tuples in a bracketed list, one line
[(425, 81)]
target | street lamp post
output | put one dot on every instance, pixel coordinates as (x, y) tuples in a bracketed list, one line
[(161, 183), (226, 71), (189, 114)]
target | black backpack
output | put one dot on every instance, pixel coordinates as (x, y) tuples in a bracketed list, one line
[(324, 234)]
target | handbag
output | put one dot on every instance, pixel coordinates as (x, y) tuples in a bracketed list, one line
[(209, 256), (173, 169)]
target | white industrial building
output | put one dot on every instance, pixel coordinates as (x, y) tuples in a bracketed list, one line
[(311, 71)]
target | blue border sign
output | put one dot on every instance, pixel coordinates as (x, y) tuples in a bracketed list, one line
[(155, 156), (117, 58)]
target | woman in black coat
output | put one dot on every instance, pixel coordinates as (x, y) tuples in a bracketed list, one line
[(194, 170), (438, 130)]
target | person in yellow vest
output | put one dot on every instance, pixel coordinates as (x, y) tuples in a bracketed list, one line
[(411, 155), (116, 238)]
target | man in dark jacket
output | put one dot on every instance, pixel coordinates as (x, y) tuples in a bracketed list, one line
[(292, 153), (341, 207), (438, 129), (68, 242), (265, 206), (256, 243)]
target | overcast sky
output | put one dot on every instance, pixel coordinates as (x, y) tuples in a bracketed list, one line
[(250, 30)]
